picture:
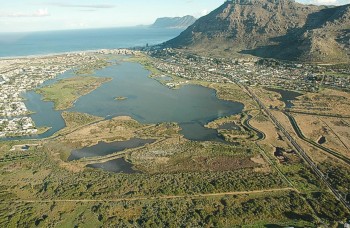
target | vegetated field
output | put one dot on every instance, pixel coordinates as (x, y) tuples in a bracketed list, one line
[(246, 181), (146, 62), (65, 92), (231, 92), (337, 74), (91, 68), (268, 97), (199, 182), (323, 118), (327, 102), (223, 211), (75, 120), (330, 132)]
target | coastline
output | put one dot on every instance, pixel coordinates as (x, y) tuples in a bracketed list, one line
[(35, 44), (55, 54)]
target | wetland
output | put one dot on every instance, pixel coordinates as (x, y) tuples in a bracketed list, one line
[(191, 106)]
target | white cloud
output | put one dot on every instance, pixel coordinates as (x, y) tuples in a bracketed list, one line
[(38, 13)]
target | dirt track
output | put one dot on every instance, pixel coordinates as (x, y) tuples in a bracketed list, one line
[(150, 198)]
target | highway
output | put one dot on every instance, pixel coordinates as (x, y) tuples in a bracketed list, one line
[(299, 149)]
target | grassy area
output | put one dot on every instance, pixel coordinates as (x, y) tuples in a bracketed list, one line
[(231, 92), (65, 92), (326, 102), (229, 211), (172, 166), (146, 62), (76, 119), (91, 68), (336, 74), (42, 130)]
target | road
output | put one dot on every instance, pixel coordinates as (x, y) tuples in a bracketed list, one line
[(299, 150), (150, 198)]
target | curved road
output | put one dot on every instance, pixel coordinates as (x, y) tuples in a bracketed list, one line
[(302, 136), (261, 135), (300, 150)]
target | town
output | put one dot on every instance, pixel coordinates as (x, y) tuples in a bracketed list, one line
[(24, 74), (19, 75), (250, 71)]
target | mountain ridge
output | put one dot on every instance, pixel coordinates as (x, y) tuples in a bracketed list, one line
[(281, 29), (174, 22)]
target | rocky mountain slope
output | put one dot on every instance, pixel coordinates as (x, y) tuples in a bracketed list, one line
[(281, 29), (174, 22)]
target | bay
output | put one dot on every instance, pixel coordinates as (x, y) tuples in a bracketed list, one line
[(49, 42)]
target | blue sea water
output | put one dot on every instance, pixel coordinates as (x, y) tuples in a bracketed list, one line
[(43, 43)]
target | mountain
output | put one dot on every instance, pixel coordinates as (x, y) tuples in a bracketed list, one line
[(281, 29), (174, 22)]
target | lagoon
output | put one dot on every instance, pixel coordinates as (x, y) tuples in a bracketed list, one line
[(191, 106)]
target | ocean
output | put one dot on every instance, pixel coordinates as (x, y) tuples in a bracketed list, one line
[(44, 43)]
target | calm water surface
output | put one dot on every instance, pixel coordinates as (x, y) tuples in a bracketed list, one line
[(147, 101), (116, 166), (103, 148), (150, 102), (42, 43), (287, 96)]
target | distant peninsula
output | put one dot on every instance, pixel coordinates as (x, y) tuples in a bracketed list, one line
[(174, 22)]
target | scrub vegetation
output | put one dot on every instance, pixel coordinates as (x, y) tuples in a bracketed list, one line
[(65, 92)]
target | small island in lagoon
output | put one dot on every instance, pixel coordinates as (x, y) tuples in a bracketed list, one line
[(120, 98)]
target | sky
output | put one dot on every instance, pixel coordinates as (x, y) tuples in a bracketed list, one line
[(44, 15)]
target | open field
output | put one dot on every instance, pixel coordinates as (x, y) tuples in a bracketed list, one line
[(326, 102), (42, 188), (269, 98), (253, 179), (330, 132), (323, 136), (218, 211), (91, 68), (231, 92), (65, 92)]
